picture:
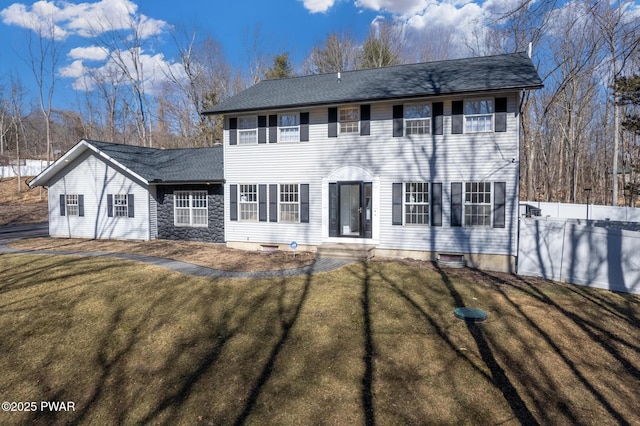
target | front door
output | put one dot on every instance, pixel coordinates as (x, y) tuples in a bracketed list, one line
[(350, 208)]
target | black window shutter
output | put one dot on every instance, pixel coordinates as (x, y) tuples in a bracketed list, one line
[(398, 121), (397, 204), (436, 204), (130, 205), (333, 209), (233, 202), (262, 129), (109, 205), (233, 131), (501, 115), (81, 205), (457, 110), (365, 117), (456, 204), (438, 112), (304, 203), (63, 204), (273, 203), (499, 201), (304, 127), (273, 128), (262, 203), (333, 123)]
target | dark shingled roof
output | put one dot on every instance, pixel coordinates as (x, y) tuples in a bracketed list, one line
[(457, 76), (167, 165)]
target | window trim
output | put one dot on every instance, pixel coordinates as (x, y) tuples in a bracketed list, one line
[(242, 202), (296, 203), (425, 204), (247, 130), (490, 115), (115, 205), (484, 204), (426, 120), (281, 127), (68, 202), (190, 208), (355, 108)]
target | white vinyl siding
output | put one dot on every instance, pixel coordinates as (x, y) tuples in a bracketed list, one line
[(383, 160), (91, 176)]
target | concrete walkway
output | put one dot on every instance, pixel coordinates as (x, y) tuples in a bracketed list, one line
[(320, 265)]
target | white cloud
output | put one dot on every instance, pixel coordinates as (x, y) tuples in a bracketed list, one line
[(318, 6), (155, 70), (92, 53), (83, 19), (397, 7)]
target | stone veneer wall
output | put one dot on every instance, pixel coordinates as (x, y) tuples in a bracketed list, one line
[(214, 233)]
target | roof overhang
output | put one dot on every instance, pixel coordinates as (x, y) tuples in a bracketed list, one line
[(187, 182), (73, 153)]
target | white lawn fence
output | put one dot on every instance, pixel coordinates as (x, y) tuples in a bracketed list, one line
[(578, 252), (29, 168), (579, 211)]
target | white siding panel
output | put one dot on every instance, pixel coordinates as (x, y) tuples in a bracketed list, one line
[(92, 177)]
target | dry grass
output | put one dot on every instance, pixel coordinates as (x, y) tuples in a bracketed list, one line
[(368, 343), (216, 256), (27, 206)]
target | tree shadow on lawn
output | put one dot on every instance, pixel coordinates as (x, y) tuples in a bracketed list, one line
[(370, 343)]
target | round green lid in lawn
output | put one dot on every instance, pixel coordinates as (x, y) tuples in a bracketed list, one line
[(470, 314)]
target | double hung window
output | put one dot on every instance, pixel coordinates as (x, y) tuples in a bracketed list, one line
[(120, 205), (349, 118), (417, 119), (249, 203), (289, 203), (477, 204), (247, 130), (289, 127), (478, 114), (72, 205), (416, 203), (190, 208)]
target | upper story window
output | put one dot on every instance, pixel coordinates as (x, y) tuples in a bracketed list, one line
[(478, 115), (247, 130), (349, 118), (477, 204), (289, 127), (417, 119)]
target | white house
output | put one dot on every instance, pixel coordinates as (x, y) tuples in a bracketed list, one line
[(106, 190), (414, 160)]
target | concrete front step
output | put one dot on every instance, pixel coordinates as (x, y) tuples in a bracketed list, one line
[(346, 251)]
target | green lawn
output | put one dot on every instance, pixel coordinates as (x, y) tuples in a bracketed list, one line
[(373, 343)]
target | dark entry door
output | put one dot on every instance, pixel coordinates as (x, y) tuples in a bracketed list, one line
[(350, 209)]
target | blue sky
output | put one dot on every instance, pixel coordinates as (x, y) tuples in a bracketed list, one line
[(293, 26), (286, 25)]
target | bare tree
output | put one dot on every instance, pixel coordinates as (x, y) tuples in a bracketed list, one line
[(43, 51), (383, 46), (338, 52)]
